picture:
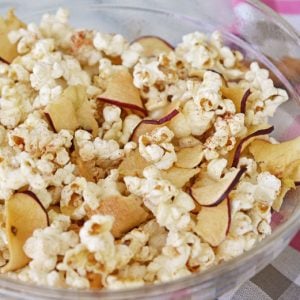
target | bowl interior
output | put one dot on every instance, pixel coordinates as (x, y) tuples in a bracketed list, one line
[(133, 22)]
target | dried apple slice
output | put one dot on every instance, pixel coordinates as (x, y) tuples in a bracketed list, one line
[(147, 125), (24, 214), (244, 101), (213, 193), (179, 176), (238, 96), (275, 158), (121, 92), (8, 51), (153, 45), (62, 114), (72, 110), (127, 211), (255, 132), (284, 189), (189, 157), (213, 223), (292, 171), (291, 180), (133, 164), (84, 168)]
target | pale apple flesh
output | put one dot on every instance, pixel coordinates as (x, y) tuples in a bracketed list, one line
[(254, 133), (133, 164), (179, 176), (235, 94), (214, 192), (275, 158), (24, 214), (153, 45), (189, 157), (121, 92), (72, 110), (8, 51), (213, 223), (128, 213)]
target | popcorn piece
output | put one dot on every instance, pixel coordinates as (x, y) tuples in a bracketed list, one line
[(216, 167), (147, 74), (76, 195), (98, 148), (169, 205), (156, 147), (95, 233), (262, 88)]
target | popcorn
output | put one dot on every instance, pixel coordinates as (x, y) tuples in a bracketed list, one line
[(16, 104), (129, 124), (231, 248), (43, 248), (262, 89), (90, 180), (147, 74), (77, 194), (131, 55), (171, 264), (268, 187), (95, 234), (193, 50), (57, 27), (169, 205), (198, 120), (162, 153), (216, 167), (112, 45), (240, 224), (98, 148)]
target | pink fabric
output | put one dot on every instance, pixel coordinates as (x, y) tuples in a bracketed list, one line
[(289, 7), (295, 243)]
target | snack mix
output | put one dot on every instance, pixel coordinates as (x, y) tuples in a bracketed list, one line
[(124, 164)]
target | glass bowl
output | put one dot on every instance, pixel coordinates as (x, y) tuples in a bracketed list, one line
[(261, 35)]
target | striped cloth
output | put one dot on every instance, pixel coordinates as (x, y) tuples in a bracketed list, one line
[(280, 280)]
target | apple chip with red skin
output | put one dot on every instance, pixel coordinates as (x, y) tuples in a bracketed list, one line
[(8, 51), (72, 110), (254, 132), (213, 223), (189, 157), (128, 213), (275, 158), (148, 125), (153, 45), (238, 96), (24, 214), (121, 92), (208, 192)]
